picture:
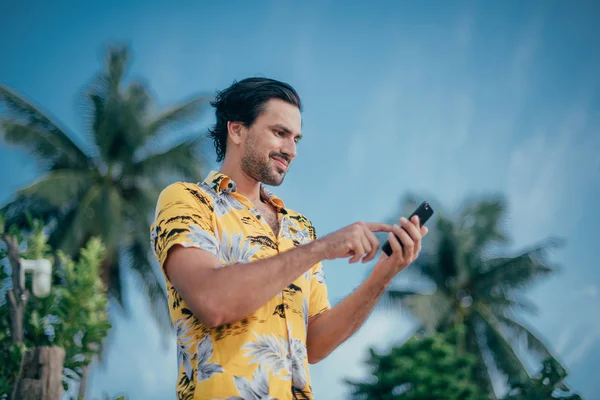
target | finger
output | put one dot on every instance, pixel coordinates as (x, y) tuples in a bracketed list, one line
[(359, 251), (378, 227), (396, 247), (417, 248), (416, 220), (367, 246), (411, 228), (424, 231), (415, 235), (373, 245), (407, 243)]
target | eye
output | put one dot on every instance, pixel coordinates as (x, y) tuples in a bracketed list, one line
[(281, 133)]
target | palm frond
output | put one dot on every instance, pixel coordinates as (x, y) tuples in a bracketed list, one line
[(182, 159), (503, 354), (138, 253), (18, 211), (49, 150), (119, 135), (478, 350), (138, 98), (113, 116), (80, 222), (482, 219), (503, 302), (60, 187), (152, 284), (91, 107), (43, 136), (426, 269), (534, 344), (516, 272), (178, 116), (432, 310), (447, 267), (117, 58)]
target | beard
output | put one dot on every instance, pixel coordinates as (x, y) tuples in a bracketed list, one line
[(261, 169)]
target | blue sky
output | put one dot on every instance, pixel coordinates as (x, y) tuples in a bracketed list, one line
[(444, 99)]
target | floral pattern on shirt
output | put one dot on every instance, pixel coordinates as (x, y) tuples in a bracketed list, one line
[(264, 355)]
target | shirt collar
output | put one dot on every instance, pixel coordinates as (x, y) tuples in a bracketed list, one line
[(220, 183)]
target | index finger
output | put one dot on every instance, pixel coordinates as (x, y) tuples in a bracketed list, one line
[(378, 227)]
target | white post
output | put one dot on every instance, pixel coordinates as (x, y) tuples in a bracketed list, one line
[(42, 275)]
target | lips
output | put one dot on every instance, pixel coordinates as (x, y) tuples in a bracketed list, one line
[(281, 163)]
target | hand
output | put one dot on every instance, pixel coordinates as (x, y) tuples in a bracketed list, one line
[(410, 234), (356, 241)]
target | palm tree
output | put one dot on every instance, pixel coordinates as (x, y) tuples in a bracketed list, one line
[(464, 279), (107, 187)]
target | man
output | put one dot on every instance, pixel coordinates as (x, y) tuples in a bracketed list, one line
[(246, 288)]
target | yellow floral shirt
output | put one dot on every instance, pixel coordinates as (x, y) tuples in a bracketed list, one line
[(263, 356)]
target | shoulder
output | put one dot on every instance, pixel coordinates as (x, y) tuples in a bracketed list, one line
[(184, 198), (186, 192)]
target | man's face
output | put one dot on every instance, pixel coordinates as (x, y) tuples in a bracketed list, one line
[(270, 143)]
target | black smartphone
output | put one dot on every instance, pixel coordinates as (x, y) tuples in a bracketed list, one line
[(424, 211)]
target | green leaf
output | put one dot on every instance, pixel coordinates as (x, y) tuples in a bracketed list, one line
[(60, 187), (534, 344), (32, 129), (179, 116), (517, 272), (182, 159), (83, 221), (504, 356)]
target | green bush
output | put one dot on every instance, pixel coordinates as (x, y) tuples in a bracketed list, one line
[(427, 367), (73, 316)]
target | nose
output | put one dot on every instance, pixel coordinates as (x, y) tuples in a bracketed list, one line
[(289, 149)]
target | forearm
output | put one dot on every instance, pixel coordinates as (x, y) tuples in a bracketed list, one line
[(234, 291), (332, 328)]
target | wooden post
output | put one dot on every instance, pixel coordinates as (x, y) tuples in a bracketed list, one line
[(40, 376)]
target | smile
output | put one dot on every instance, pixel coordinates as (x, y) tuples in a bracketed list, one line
[(280, 162)]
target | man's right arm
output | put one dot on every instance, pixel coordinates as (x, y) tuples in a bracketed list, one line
[(219, 294), (186, 247)]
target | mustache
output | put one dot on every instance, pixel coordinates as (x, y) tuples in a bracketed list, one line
[(280, 155)]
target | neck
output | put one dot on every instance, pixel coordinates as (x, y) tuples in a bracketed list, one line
[(245, 185)]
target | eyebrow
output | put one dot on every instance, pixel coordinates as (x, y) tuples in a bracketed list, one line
[(285, 129)]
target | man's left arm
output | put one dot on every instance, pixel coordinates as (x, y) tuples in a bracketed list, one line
[(329, 329)]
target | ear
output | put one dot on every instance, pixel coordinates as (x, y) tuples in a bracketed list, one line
[(236, 131)]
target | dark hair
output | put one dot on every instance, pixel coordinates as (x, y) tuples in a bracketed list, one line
[(243, 102)]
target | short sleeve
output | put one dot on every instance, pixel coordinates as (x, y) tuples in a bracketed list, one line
[(319, 298), (184, 216)]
